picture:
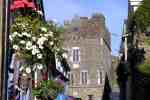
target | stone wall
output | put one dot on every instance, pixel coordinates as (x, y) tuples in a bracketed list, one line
[(143, 44), (93, 40), (1, 11), (96, 92), (140, 87), (113, 71)]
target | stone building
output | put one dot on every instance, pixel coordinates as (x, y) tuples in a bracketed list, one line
[(87, 41), (1, 11), (113, 71)]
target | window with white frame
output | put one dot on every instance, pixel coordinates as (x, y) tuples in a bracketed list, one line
[(84, 77), (71, 78), (75, 54), (100, 76), (101, 41)]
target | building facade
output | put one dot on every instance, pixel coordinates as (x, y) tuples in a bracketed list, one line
[(1, 14), (87, 41)]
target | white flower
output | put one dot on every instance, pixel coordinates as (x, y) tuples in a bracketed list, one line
[(15, 33), (41, 34), (50, 33), (65, 55), (22, 42), (24, 74), (35, 50), (57, 49), (24, 33), (39, 56), (21, 68), (34, 47), (51, 43), (41, 47), (41, 41), (18, 24), (39, 66), (16, 47), (10, 38), (20, 35), (29, 45), (40, 12), (28, 35), (46, 35), (43, 29), (23, 25), (44, 38), (34, 38), (28, 70)]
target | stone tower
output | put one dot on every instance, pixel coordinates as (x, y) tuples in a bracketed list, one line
[(87, 41)]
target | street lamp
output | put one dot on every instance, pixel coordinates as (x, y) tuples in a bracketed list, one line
[(4, 47)]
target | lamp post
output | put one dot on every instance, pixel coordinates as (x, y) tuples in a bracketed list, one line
[(4, 30), (1, 14)]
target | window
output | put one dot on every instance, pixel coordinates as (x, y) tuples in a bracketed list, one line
[(75, 29), (76, 54), (71, 78), (100, 76), (147, 33), (90, 97), (84, 77), (101, 41)]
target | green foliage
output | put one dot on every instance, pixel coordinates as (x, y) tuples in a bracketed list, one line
[(147, 41), (47, 88), (114, 82), (142, 16), (144, 68)]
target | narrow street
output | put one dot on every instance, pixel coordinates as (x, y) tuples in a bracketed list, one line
[(115, 94), (74, 49)]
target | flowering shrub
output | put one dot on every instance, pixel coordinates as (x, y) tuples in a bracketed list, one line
[(35, 41), (48, 88)]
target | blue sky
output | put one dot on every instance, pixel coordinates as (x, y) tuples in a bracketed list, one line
[(115, 11)]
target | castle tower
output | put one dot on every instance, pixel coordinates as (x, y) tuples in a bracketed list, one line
[(87, 41)]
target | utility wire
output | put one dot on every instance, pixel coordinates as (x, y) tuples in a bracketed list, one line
[(116, 35)]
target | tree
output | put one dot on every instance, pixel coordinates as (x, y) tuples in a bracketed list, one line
[(142, 16)]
